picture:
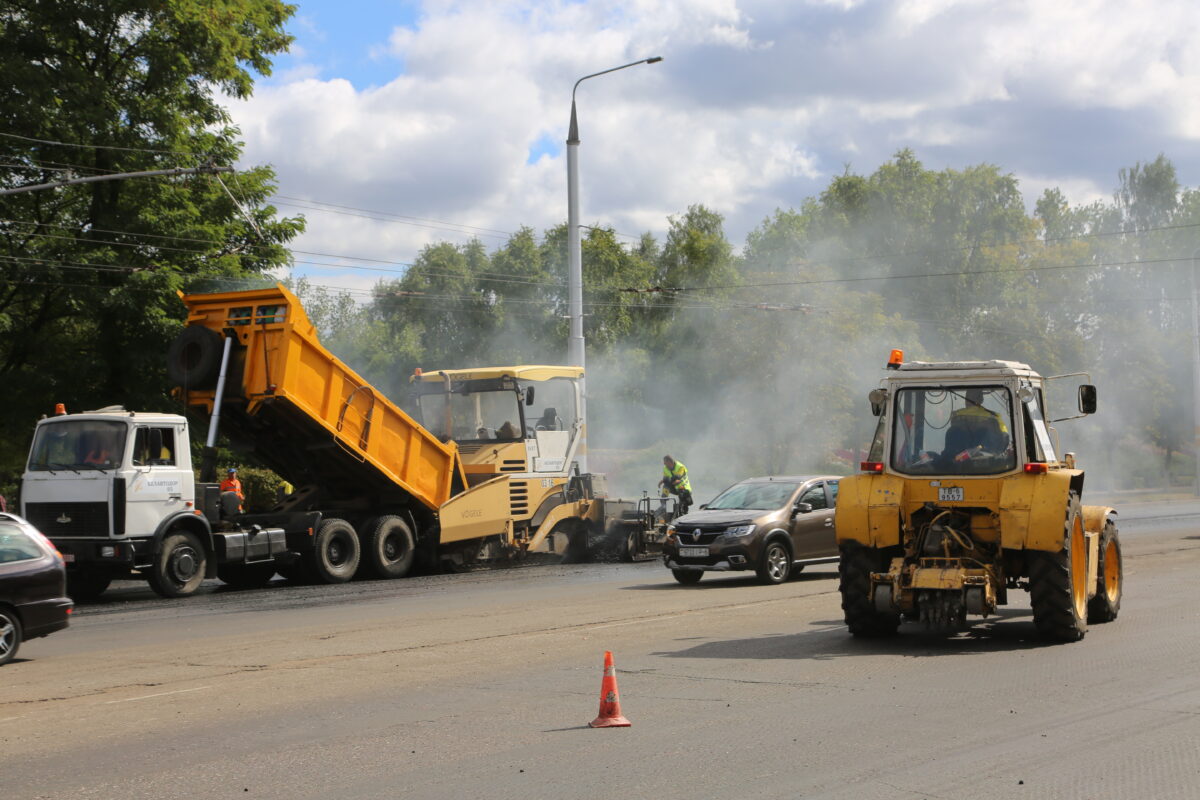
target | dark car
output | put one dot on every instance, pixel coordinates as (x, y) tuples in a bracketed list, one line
[(33, 581), (774, 525)]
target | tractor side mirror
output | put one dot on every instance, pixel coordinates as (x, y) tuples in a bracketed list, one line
[(878, 398), (528, 395), (1087, 399)]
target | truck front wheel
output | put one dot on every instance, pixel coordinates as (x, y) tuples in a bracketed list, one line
[(335, 553), (179, 566)]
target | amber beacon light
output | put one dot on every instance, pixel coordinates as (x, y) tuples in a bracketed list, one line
[(895, 359)]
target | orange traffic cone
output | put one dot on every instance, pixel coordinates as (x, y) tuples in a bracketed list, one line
[(610, 702)]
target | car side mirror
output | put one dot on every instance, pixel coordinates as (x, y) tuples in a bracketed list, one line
[(702, 506), (878, 398), (803, 508), (528, 395), (1087, 399)]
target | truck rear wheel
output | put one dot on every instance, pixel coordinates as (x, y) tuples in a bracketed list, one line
[(854, 570), (388, 547), (247, 576), (1058, 587), (179, 567), (1110, 578), (82, 587), (335, 553)]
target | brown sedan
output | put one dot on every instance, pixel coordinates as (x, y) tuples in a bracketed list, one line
[(774, 525)]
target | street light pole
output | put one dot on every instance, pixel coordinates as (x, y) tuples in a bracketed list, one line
[(575, 350), (1196, 370)]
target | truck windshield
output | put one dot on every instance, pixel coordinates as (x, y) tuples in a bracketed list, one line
[(77, 445), (953, 430), (474, 416)]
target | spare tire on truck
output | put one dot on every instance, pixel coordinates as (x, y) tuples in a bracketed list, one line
[(194, 358)]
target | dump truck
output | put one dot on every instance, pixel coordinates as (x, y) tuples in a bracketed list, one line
[(376, 491), (965, 496)]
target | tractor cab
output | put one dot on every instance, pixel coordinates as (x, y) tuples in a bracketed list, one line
[(517, 420), (964, 418)]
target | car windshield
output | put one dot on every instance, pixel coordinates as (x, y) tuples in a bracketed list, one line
[(16, 545), (953, 430), (754, 496), (77, 444)]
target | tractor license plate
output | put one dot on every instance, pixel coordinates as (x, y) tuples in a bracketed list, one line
[(693, 552), (950, 494)]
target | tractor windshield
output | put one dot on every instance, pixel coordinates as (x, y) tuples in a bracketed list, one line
[(953, 430)]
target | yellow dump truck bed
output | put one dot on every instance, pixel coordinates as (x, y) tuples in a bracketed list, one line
[(309, 416)]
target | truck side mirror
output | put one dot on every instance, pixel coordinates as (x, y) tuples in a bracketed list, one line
[(528, 395), (1087, 399), (878, 398)]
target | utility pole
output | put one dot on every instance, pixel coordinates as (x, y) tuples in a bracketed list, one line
[(575, 350), (1195, 371)]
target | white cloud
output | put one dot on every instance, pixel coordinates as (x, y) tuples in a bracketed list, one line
[(756, 106)]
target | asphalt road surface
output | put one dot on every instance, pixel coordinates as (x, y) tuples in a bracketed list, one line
[(482, 685)]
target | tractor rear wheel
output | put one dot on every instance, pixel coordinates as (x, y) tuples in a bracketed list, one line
[(1110, 578), (1058, 587), (854, 569)]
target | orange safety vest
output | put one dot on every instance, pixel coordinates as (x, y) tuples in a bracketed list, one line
[(233, 485)]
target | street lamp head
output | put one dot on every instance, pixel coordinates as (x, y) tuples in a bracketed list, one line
[(654, 60)]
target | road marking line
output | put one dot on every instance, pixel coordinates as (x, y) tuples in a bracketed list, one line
[(159, 694)]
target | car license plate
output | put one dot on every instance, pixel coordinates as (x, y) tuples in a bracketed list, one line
[(950, 494), (693, 552), (69, 558)]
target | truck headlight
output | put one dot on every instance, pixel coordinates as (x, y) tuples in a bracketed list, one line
[(739, 531)]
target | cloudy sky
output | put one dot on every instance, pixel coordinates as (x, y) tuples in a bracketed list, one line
[(393, 124)]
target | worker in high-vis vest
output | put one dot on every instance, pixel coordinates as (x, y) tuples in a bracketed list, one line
[(232, 484), (675, 481)]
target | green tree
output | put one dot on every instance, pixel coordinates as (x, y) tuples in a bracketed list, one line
[(88, 273)]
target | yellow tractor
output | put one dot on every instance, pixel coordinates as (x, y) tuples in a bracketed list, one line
[(966, 495)]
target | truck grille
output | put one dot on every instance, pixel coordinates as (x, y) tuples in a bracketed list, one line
[(62, 520)]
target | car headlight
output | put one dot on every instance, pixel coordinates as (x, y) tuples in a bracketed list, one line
[(739, 531)]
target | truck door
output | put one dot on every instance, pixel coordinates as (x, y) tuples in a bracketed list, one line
[(812, 531), (157, 484)]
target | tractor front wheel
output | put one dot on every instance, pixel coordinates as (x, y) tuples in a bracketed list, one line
[(1110, 578)]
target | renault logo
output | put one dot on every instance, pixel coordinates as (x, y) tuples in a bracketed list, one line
[(64, 519), (696, 535)]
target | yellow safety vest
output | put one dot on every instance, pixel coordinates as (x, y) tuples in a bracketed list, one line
[(677, 478)]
